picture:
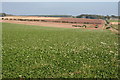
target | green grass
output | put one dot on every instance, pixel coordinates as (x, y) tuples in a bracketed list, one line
[(115, 26), (46, 52), (114, 20)]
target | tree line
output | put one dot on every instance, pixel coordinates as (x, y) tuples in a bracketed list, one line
[(107, 17), (4, 14)]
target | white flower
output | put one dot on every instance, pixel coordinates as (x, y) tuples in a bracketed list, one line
[(50, 47), (27, 56), (89, 48), (103, 43), (111, 52), (20, 75)]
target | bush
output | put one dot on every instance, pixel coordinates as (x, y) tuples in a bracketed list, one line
[(108, 27), (78, 26), (96, 26), (106, 24), (74, 25), (84, 26)]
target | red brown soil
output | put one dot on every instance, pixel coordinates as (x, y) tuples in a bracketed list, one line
[(47, 24)]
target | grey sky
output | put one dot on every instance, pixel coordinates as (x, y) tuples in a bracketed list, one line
[(60, 8), (60, 0)]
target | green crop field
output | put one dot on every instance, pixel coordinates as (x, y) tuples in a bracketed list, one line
[(114, 20), (47, 52)]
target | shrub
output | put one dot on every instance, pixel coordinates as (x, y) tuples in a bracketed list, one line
[(84, 26), (96, 26), (108, 27), (74, 25), (78, 26)]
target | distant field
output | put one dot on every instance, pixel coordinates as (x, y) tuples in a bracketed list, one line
[(115, 27), (46, 52), (114, 20)]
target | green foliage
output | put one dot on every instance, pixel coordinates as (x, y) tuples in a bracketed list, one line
[(96, 26), (114, 20), (115, 27), (108, 27), (91, 16), (84, 26), (2, 14), (46, 52), (79, 26), (107, 17), (76, 26)]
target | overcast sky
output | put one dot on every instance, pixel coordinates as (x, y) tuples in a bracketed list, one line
[(60, 0), (60, 8)]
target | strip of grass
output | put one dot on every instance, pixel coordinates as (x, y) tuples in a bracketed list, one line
[(115, 26), (45, 52), (114, 20)]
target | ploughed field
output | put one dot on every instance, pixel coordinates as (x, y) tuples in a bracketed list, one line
[(49, 52)]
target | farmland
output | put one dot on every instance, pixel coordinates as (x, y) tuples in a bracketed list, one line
[(48, 52), (115, 27), (56, 20), (114, 20)]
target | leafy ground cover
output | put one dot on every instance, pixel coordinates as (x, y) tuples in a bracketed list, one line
[(46, 52)]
